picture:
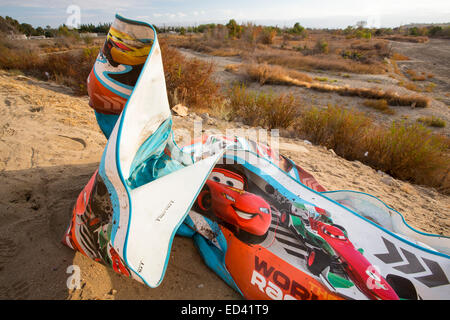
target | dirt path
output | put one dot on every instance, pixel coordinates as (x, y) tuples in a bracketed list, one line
[(309, 97), (431, 58), (50, 145)]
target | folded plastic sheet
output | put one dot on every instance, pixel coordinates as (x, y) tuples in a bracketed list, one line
[(263, 224)]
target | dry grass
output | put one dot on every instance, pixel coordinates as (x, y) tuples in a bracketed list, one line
[(399, 57), (210, 43), (412, 153), (262, 109), (226, 52), (396, 68), (13, 59), (70, 69), (412, 39), (392, 97), (414, 76), (407, 152), (430, 87), (234, 68), (264, 73), (189, 81), (409, 85), (317, 50), (335, 128), (432, 121), (380, 105), (328, 62)]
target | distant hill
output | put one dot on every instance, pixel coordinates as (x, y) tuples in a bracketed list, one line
[(425, 25)]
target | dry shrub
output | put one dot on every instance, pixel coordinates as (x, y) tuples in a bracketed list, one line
[(396, 68), (430, 87), (263, 109), (321, 62), (70, 69), (412, 39), (267, 36), (414, 76), (392, 97), (264, 73), (251, 33), (419, 78), (337, 128), (409, 85), (321, 46), (399, 57), (380, 105), (214, 42), (189, 81), (432, 121), (410, 152), (234, 68), (14, 58), (226, 52), (407, 152), (242, 104)]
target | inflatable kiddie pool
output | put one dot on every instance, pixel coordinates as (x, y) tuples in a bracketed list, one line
[(262, 223)]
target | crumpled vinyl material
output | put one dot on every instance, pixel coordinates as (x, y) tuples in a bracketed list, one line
[(262, 223)]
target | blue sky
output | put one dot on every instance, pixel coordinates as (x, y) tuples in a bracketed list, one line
[(315, 13)]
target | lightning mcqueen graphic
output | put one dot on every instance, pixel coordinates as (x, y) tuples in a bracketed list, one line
[(225, 198)]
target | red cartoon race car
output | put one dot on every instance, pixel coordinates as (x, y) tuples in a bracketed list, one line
[(225, 197), (361, 271), (329, 247)]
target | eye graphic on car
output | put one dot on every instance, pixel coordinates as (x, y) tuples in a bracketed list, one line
[(264, 210), (227, 196), (227, 178)]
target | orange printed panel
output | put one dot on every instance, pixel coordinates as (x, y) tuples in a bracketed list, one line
[(261, 275), (102, 99)]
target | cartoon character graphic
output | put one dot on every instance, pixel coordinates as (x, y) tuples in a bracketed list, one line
[(332, 254), (90, 228), (117, 263), (118, 66), (225, 197)]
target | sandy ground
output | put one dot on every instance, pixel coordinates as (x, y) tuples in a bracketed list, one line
[(50, 145)]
